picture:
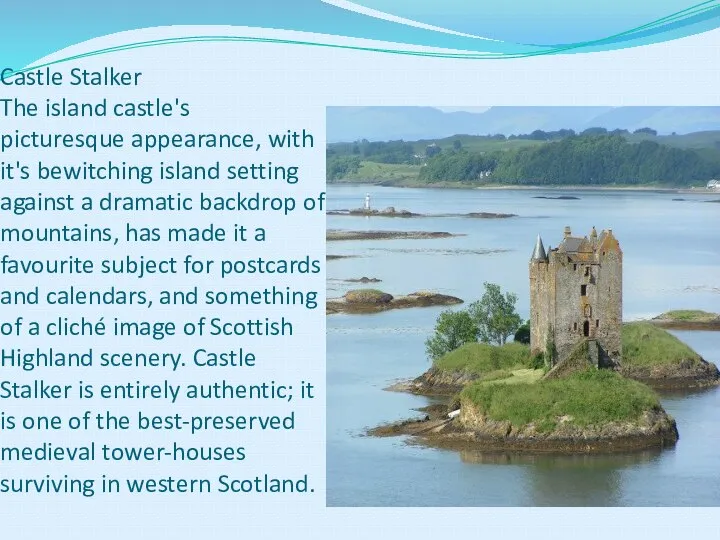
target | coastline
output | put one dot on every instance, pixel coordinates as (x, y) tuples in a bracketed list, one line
[(647, 189)]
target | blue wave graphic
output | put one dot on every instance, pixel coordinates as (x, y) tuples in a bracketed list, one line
[(33, 29), (544, 22)]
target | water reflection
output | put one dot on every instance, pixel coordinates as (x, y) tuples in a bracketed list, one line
[(579, 480)]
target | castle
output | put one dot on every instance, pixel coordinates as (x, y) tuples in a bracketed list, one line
[(576, 297)]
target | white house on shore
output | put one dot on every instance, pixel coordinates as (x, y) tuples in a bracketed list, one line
[(714, 184)]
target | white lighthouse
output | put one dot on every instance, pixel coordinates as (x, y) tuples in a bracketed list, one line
[(367, 202)]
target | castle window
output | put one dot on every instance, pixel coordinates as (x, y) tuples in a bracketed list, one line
[(597, 323), (575, 326), (574, 266), (587, 270), (583, 290), (586, 328)]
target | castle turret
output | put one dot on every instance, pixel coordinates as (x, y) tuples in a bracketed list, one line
[(540, 284), (539, 251)]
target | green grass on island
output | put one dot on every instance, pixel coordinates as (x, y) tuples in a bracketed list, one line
[(645, 345), (689, 315), (589, 398), (511, 386), (483, 358), (507, 364)]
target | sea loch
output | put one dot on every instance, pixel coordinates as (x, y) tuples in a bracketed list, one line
[(670, 262)]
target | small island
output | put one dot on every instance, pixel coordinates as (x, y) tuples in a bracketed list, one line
[(363, 279), (589, 411), (558, 197), (374, 301), (504, 398), (688, 319), (334, 235), (575, 379), (659, 359), (390, 211), (488, 215)]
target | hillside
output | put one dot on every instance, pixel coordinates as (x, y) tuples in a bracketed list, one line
[(563, 157)]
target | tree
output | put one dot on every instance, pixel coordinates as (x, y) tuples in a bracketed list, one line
[(432, 150), (452, 329), (647, 130), (457, 144), (494, 315), (523, 333)]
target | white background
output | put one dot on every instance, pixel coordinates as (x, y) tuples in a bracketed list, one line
[(261, 87)]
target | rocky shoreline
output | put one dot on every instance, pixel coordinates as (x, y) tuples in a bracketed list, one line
[(468, 429), (687, 375), (435, 382)]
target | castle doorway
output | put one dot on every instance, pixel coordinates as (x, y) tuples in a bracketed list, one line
[(586, 328)]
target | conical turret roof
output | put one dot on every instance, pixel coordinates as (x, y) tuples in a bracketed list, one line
[(539, 251)]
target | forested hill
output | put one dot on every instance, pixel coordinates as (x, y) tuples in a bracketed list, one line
[(592, 158)]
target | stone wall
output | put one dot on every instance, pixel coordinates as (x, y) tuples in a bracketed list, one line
[(571, 305), (539, 306), (609, 331)]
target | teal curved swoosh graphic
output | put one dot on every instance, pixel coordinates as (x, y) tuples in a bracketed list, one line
[(493, 29)]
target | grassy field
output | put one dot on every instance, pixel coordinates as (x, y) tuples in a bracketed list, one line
[(588, 398), (370, 171), (647, 345)]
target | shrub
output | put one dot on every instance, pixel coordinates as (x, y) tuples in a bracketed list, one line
[(523, 333)]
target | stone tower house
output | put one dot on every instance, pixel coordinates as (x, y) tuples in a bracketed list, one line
[(576, 297)]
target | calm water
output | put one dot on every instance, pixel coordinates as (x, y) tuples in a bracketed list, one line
[(671, 261)]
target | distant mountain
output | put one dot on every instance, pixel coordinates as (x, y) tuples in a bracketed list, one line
[(414, 123)]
